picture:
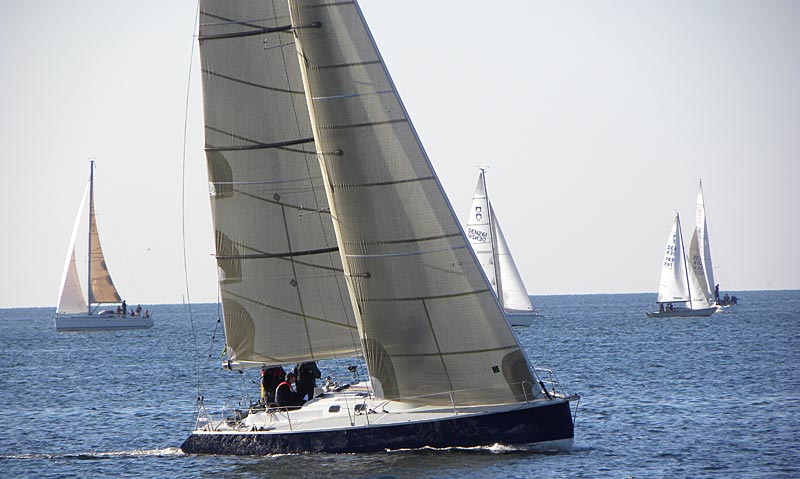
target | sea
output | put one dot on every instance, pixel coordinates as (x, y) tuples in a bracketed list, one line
[(715, 397)]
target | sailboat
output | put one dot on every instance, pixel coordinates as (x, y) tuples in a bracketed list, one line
[(678, 282), (700, 254), (334, 239), (490, 246), (79, 309)]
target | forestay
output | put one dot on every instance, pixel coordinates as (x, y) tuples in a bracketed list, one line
[(280, 275), (431, 327)]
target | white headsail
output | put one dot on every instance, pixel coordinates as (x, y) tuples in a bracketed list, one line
[(673, 287), (431, 328), (283, 291), (71, 298)]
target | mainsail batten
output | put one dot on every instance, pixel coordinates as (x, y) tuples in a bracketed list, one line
[(431, 329), (283, 295)]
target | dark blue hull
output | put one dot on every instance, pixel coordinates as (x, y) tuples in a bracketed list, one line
[(551, 422)]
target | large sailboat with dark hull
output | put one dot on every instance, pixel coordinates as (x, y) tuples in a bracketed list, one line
[(334, 239)]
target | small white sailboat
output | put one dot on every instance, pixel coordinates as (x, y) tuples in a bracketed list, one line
[(490, 246), (334, 239), (678, 282), (77, 310)]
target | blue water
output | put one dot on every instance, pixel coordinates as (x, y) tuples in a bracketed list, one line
[(681, 397)]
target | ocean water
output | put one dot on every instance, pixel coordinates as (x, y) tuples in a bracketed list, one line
[(681, 397)]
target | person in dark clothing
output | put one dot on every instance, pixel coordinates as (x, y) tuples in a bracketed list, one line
[(307, 375), (270, 379), (284, 396), (124, 308)]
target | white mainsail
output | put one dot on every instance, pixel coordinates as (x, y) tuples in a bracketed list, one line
[(71, 299), (701, 229), (284, 295), (673, 286), (431, 328), (489, 243)]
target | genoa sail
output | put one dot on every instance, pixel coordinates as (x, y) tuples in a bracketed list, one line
[(431, 328), (673, 286), (284, 296), (701, 297), (489, 243)]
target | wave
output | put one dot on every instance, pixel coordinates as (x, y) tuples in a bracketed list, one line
[(167, 451)]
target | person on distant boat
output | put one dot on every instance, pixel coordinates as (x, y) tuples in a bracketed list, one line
[(716, 293), (146, 313), (124, 308), (307, 375), (661, 307), (284, 395), (119, 311), (670, 307), (139, 310), (271, 378), (726, 298)]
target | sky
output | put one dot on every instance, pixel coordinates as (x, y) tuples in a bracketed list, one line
[(596, 120)]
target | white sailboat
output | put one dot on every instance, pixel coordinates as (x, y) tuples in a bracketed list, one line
[(490, 246), (678, 282), (334, 239), (701, 256), (78, 309)]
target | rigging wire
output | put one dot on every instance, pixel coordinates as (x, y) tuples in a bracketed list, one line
[(118, 236), (183, 204)]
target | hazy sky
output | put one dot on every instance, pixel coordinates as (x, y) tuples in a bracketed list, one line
[(596, 119)]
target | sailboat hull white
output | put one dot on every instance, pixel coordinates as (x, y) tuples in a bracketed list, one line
[(541, 424), (96, 322), (682, 313), (522, 318)]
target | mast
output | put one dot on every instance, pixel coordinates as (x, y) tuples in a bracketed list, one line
[(91, 219), (493, 240)]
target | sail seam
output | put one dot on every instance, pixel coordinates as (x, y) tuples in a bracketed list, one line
[(257, 145), (293, 313), (384, 183), (413, 253), (403, 241), (279, 255), (344, 65), (256, 85), (361, 125), (424, 298), (452, 353)]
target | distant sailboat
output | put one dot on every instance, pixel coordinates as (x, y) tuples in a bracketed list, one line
[(490, 246), (79, 311), (334, 239), (678, 282), (700, 257)]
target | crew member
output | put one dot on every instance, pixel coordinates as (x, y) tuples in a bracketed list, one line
[(284, 395), (307, 374)]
